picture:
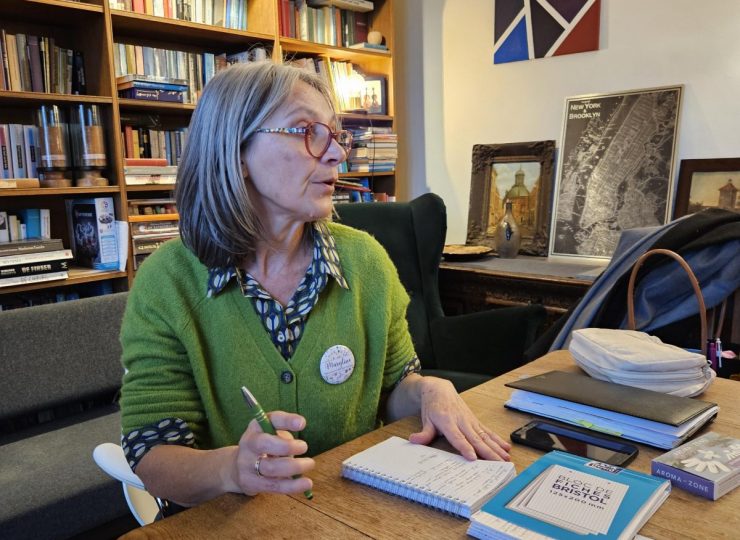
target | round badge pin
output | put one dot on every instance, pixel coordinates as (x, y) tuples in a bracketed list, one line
[(337, 364)]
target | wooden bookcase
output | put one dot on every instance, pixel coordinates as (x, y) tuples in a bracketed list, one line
[(93, 27)]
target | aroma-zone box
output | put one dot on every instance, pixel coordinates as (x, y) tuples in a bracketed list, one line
[(92, 232)]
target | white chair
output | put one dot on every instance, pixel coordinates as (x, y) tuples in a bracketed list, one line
[(111, 459)]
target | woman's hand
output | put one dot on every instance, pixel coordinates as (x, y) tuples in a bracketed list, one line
[(267, 463), (443, 412)]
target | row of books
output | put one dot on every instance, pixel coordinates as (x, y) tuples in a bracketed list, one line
[(25, 223), (37, 64), (329, 25), (345, 80), (195, 69), (145, 142), (226, 13), (19, 151)]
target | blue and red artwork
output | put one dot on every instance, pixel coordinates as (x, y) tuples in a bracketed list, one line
[(526, 29)]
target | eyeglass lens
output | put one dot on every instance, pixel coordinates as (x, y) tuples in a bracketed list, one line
[(319, 138)]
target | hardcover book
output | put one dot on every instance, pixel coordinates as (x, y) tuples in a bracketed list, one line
[(708, 466), (569, 497), (33, 278), (172, 96), (33, 245), (34, 268)]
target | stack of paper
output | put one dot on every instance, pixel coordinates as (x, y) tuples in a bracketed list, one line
[(636, 414), (565, 496)]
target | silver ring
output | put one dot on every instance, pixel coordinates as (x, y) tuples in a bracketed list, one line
[(257, 464)]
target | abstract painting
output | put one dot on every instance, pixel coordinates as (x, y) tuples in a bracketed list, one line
[(527, 29)]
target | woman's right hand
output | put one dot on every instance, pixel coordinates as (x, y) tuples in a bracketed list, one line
[(267, 463)]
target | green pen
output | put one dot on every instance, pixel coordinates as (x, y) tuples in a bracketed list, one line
[(264, 422)]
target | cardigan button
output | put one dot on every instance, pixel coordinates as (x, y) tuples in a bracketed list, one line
[(286, 376)]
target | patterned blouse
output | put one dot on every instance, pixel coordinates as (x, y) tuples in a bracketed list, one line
[(284, 324)]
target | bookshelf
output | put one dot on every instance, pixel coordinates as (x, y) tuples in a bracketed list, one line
[(93, 28)]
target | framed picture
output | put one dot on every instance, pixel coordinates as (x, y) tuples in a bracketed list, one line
[(616, 168), (707, 183), (521, 173), (373, 95), (527, 30)]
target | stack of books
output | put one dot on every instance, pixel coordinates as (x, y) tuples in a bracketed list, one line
[(147, 236), (153, 222), (33, 260), (569, 497), (152, 88), (374, 149), (147, 171), (640, 415), (708, 466)]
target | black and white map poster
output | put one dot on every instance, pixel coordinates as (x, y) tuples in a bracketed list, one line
[(616, 170)]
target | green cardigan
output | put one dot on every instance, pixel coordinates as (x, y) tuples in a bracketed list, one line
[(187, 355)]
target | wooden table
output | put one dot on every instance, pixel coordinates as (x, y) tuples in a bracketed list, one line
[(344, 509)]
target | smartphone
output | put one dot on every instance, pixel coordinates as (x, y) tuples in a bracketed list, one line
[(581, 442)]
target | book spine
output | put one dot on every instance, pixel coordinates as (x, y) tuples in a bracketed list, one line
[(34, 268), (4, 227), (145, 162), (35, 278), (6, 163), (4, 62), (685, 480), (17, 154), (45, 215), (31, 150), (152, 85), (23, 62), (171, 96), (15, 248), (79, 83), (34, 57)]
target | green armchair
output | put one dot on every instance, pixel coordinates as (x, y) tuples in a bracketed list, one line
[(466, 349)]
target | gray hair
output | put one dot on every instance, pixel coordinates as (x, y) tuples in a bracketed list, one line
[(217, 218)]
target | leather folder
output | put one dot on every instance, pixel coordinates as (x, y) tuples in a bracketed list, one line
[(655, 406)]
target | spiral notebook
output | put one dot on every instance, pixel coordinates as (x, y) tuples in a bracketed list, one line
[(429, 476)]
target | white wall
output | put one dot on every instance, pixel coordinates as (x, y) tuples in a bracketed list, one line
[(453, 96)]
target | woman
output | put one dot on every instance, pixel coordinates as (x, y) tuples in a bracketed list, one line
[(264, 291)]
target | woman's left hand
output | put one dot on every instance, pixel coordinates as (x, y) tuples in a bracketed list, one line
[(443, 412)]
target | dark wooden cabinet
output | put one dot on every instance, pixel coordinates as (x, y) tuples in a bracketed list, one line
[(467, 287)]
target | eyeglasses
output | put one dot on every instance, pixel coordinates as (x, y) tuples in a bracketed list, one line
[(317, 137)]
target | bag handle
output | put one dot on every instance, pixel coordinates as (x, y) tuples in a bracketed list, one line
[(694, 284)]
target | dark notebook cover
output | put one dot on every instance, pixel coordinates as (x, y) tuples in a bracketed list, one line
[(637, 402)]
